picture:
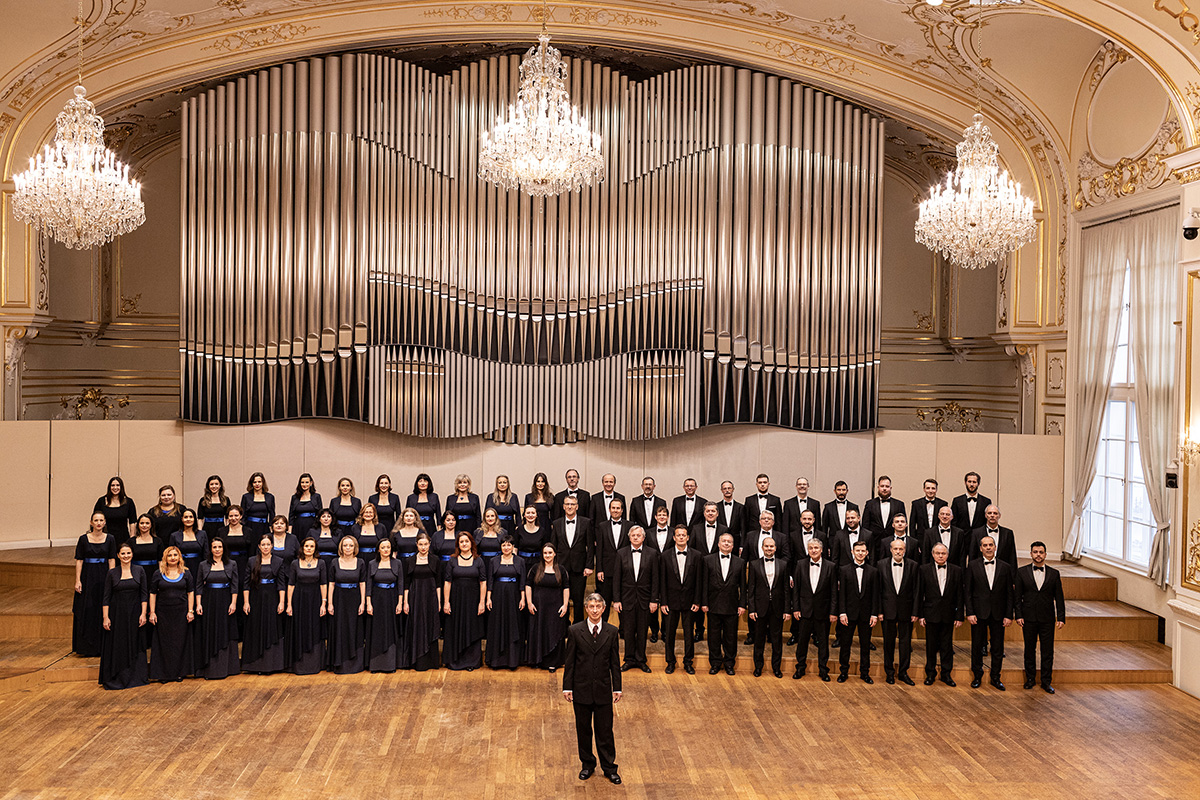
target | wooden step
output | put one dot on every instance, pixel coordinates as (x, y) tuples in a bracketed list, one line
[(33, 613), (1081, 583), (42, 567)]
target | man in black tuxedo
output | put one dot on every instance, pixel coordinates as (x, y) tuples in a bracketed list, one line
[(833, 516), (592, 683), (603, 498), (879, 511), (940, 604), (955, 539), (766, 603), (1040, 610), (679, 587), (572, 537), (842, 544), (636, 592), (611, 535), (688, 508), (752, 551), (799, 537), (1006, 541), (704, 540), (858, 611), (898, 585), (811, 600), (989, 606), (658, 538), (642, 507), (968, 508), (924, 514), (899, 533), (794, 506), (731, 513), (722, 590), (582, 499), (759, 502)]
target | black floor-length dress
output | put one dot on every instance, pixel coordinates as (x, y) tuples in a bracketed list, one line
[(544, 646), (462, 647), (87, 630), (306, 628), (423, 621), (385, 587), (264, 648), (506, 582), (346, 629), (215, 631), (123, 662), (171, 645), (194, 551)]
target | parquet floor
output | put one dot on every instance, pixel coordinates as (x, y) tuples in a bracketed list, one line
[(500, 735)]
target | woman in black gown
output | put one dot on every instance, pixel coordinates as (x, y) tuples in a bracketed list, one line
[(120, 515), (304, 507), (531, 536), (264, 595), (326, 535), (445, 541), (95, 555), (541, 498), (258, 507), (385, 603), (507, 505), (369, 532), (387, 505), (306, 595), (147, 551), (404, 535), (191, 542), (547, 594), (345, 506), (167, 515), (489, 535), (347, 603), (172, 608), (284, 544), (425, 500), (215, 629), (464, 587), (422, 607), (505, 602), (464, 504), (237, 552), (213, 506), (123, 651)]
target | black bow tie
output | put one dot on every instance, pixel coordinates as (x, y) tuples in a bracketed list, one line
[(814, 563), (943, 530), (570, 521), (681, 553), (1039, 569), (989, 563), (762, 497), (662, 530), (638, 550), (841, 502), (769, 560), (724, 555), (712, 525), (941, 566), (859, 566), (898, 564)]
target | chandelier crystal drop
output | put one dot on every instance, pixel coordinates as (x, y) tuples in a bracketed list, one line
[(545, 147), (77, 190), (978, 214)]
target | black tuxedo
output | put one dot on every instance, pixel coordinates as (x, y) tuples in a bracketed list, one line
[(769, 602), (918, 516), (600, 509), (842, 552), (752, 512), (990, 605), (1039, 610), (792, 511), (722, 596), (636, 511), (830, 519), (898, 606), (698, 540), (963, 518), (577, 556), (794, 548), (873, 516), (592, 672), (1006, 545), (883, 547), (679, 511), (734, 519), (752, 543), (959, 542), (815, 609), (940, 610), (606, 557), (636, 594), (679, 596), (585, 504), (859, 604)]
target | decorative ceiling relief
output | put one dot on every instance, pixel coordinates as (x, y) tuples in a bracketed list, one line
[(1100, 183)]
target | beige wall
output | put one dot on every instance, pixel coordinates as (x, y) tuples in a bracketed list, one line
[(25, 465)]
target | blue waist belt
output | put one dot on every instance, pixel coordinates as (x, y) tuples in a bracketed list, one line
[(278, 548), (146, 563), (345, 522), (489, 553), (307, 514), (191, 555), (362, 549), (385, 585), (446, 558), (526, 553), (347, 586), (507, 580), (505, 516), (256, 519), (218, 586), (94, 560), (265, 581), (214, 519)]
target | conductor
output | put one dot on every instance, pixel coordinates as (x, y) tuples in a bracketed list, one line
[(592, 682)]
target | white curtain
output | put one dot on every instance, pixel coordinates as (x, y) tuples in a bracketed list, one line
[(1104, 253), (1153, 299)]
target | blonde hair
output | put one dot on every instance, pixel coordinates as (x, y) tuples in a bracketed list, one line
[(459, 478), (162, 561)]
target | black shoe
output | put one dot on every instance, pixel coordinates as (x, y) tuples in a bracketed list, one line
[(868, 679), (975, 684), (699, 637), (798, 674), (998, 684), (749, 640), (1029, 682), (670, 668), (891, 678), (689, 669), (825, 677), (791, 641), (614, 779), (907, 680), (1047, 688), (949, 681), (626, 667), (929, 680), (873, 646), (778, 673), (654, 638), (729, 670), (758, 672), (842, 678), (644, 667), (985, 650), (553, 669), (714, 670), (585, 773)]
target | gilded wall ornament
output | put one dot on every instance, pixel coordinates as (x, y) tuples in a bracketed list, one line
[(476, 13), (950, 417), (603, 17), (809, 57), (1099, 183), (924, 322), (93, 403), (1191, 557), (263, 36)]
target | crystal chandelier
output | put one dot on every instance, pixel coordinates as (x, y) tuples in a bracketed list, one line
[(77, 190), (545, 147)]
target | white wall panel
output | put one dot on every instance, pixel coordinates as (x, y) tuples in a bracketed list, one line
[(25, 469)]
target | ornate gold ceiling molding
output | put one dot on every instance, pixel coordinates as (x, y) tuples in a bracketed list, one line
[(1099, 183)]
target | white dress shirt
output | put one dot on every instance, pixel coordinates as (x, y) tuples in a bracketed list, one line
[(569, 530), (897, 573), (724, 559), (814, 574)]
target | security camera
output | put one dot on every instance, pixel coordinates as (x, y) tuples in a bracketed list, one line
[(1191, 225)]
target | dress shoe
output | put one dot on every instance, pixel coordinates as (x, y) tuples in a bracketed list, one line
[(1047, 688), (798, 674), (929, 680), (842, 678), (585, 773), (791, 641), (714, 670), (891, 678), (949, 681), (873, 646), (645, 667), (907, 680), (985, 650), (975, 684), (699, 637), (1029, 683), (749, 640), (868, 679), (729, 670), (670, 668), (654, 638), (758, 672), (825, 677), (689, 669), (614, 778), (778, 673), (626, 667), (553, 669), (998, 684)]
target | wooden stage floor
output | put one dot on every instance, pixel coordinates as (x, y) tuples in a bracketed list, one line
[(501, 735)]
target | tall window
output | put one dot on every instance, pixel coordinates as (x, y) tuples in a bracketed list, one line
[(1117, 520)]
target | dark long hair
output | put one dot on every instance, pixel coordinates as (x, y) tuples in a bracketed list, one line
[(108, 490), (220, 490), (540, 570), (312, 485), (256, 566), (417, 483)]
